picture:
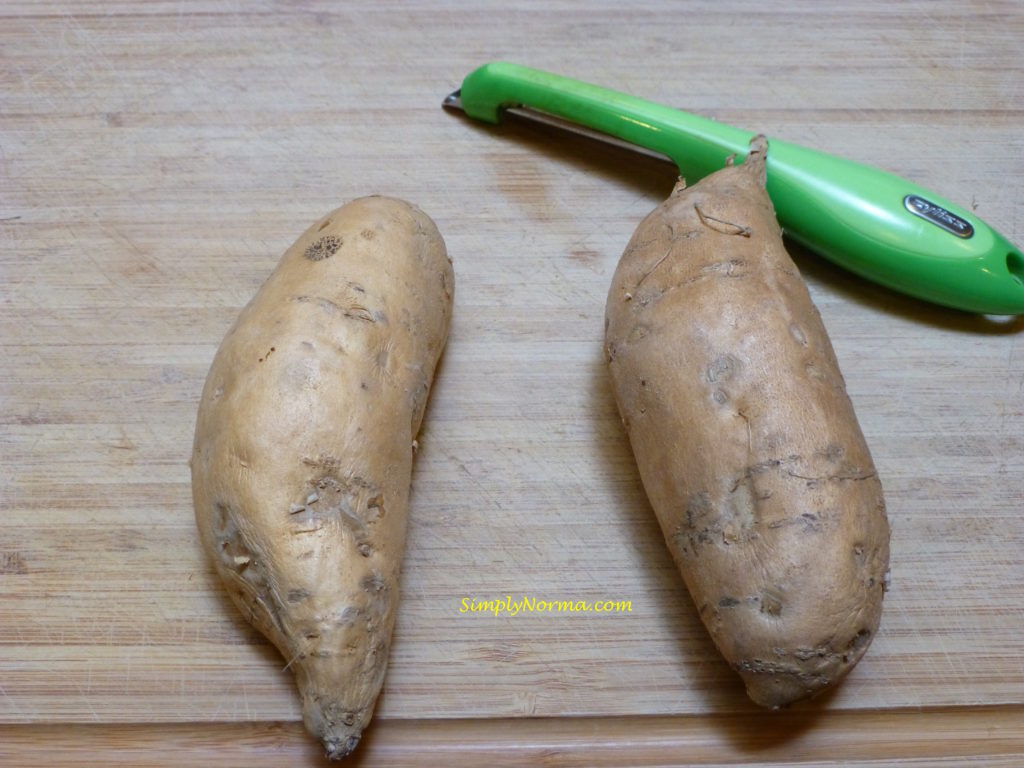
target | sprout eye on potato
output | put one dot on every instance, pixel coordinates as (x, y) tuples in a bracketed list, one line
[(747, 444), (303, 450)]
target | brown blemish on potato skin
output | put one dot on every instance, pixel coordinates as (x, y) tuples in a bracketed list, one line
[(770, 602), (323, 248), (723, 368), (747, 443)]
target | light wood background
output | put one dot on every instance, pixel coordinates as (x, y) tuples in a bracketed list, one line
[(156, 158)]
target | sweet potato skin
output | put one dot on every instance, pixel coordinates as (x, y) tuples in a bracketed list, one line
[(303, 450), (747, 444)]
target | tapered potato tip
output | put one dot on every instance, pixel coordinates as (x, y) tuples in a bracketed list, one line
[(780, 691), (340, 747)]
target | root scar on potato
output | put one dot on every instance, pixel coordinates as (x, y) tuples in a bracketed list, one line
[(746, 441), (321, 385)]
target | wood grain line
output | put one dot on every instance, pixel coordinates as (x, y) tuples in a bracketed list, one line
[(986, 736)]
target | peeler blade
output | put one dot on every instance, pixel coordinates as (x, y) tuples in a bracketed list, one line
[(453, 103)]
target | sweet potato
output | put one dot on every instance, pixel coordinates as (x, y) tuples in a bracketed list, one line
[(747, 444), (304, 443)]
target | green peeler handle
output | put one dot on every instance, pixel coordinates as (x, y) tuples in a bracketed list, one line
[(873, 223)]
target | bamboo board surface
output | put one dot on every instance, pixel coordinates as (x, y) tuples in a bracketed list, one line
[(155, 161)]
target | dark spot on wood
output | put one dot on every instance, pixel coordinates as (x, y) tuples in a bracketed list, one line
[(13, 563), (728, 602), (584, 256), (297, 596), (127, 540)]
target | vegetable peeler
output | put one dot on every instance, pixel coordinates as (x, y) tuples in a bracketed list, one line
[(875, 224)]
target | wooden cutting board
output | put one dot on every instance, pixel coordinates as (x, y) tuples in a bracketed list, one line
[(155, 161)]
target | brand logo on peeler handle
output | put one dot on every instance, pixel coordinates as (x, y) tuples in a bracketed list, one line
[(939, 216)]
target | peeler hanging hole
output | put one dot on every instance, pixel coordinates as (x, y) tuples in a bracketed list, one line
[(1015, 266)]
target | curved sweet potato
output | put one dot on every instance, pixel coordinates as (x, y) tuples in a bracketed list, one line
[(304, 446)]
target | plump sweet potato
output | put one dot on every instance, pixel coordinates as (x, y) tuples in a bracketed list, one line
[(746, 441), (304, 447)]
